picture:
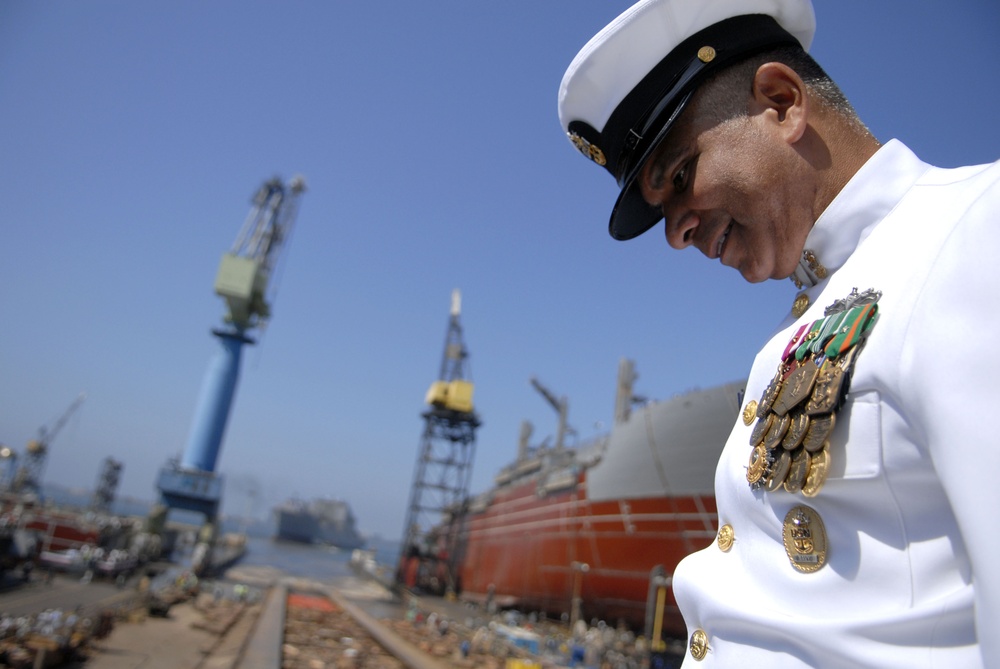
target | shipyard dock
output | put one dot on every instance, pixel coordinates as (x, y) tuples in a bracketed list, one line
[(260, 618)]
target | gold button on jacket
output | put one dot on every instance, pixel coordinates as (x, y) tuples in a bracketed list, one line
[(699, 644)]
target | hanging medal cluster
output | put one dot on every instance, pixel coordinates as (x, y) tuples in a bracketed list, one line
[(798, 410)]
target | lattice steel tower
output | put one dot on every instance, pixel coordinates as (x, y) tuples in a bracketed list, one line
[(440, 491), (107, 485)]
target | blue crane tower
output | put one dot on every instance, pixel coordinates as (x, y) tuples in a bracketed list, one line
[(192, 484)]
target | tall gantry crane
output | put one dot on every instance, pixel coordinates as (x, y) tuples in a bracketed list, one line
[(242, 281), (430, 548), (108, 479), (28, 478)]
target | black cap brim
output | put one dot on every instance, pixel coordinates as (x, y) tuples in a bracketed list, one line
[(632, 215)]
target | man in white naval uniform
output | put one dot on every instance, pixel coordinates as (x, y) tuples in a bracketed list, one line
[(858, 495)]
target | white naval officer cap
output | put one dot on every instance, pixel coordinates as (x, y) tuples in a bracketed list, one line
[(627, 86)]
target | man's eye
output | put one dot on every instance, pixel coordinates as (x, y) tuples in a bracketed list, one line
[(680, 179)]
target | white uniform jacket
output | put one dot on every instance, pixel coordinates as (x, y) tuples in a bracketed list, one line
[(911, 505)]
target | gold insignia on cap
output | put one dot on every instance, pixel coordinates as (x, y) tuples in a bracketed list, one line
[(750, 412), (591, 151), (706, 54), (805, 539), (699, 645)]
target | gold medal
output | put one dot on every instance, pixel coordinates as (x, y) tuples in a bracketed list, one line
[(761, 429), (796, 387), (820, 428), (804, 537), (819, 465), (798, 470), (777, 432), (770, 393), (758, 464), (796, 431), (778, 470), (827, 392), (796, 413)]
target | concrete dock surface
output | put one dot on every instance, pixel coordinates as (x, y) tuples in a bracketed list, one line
[(208, 632), (177, 640), (260, 618)]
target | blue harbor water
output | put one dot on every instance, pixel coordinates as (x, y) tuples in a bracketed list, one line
[(320, 563)]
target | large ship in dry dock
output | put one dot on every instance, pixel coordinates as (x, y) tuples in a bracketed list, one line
[(586, 526), (320, 521)]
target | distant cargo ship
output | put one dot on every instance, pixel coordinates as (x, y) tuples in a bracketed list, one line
[(585, 527), (320, 521)]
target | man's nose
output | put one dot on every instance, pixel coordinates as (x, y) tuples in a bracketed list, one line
[(679, 227)]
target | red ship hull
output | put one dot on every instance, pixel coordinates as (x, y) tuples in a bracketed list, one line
[(525, 546), (589, 525), (60, 533), (61, 529)]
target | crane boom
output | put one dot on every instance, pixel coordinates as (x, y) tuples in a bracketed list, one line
[(29, 476), (47, 434), (557, 404), (562, 408), (270, 220), (453, 389), (246, 268)]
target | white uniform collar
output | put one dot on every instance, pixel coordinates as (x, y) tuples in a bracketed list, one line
[(866, 199)]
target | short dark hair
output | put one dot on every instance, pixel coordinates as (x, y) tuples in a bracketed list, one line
[(726, 94)]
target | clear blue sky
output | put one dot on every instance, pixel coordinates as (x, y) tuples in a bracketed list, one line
[(134, 135)]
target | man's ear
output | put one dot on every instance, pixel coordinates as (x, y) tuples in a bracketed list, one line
[(782, 96)]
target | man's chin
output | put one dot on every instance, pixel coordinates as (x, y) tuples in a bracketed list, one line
[(753, 275), (779, 273)]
